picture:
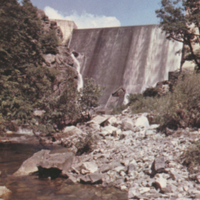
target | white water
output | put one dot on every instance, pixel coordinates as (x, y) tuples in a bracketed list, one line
[(78, 69), (149, 64)]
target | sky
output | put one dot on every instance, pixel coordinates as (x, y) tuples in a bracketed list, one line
[(101, 13)]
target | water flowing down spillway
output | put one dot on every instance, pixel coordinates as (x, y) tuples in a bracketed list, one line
[(78, 68), (132, 58)]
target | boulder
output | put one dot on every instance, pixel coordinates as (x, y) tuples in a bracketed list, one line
[(127, 124), (31, 164), (44, 160), (60, 161), (142, 122)]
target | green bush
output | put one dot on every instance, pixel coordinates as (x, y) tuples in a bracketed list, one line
[(49, 42), (191, 156), (179, 109)]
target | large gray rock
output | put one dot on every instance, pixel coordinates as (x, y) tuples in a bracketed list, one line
[(44, 160), (31, 164), (61, 161)]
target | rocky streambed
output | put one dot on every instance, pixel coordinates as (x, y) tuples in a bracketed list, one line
[(123, 151)]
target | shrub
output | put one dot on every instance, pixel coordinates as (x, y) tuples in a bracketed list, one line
[(179, 109), (89, 95), (191, 156)]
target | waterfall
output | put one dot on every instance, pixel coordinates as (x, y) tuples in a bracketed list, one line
[(78, 69)]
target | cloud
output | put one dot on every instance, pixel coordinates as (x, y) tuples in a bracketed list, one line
[(85, 20)]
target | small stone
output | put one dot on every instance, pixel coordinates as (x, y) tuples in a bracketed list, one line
[(119, 168), (133, 193), (123, 188), (105, 168), (143, 190), (158, 165)]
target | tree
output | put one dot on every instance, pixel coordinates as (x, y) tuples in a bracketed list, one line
[(23, 80), (179, 19)]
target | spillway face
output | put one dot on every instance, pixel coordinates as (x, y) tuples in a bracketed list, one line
[(130, 57)]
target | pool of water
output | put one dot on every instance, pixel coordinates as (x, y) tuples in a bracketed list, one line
[(34, 188)]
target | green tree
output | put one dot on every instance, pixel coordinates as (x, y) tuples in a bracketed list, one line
[(89, 95), (179, 19), (23, 80)]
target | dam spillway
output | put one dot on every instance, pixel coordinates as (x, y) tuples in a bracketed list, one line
[(132, 58)]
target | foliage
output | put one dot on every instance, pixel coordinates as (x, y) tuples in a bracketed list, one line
[(24, 82), (89, 95), (86, 145), (179, 109), (49, 42), (191, 157), (118, 109), (179, 20)]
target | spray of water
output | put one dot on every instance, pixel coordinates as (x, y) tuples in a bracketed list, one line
[(78, 69)]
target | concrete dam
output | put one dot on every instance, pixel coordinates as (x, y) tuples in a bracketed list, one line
[(129, 59)]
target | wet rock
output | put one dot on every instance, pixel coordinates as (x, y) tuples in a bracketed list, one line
[(4, 191)]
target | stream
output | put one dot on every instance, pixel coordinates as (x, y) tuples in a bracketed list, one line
[(34, 188)]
